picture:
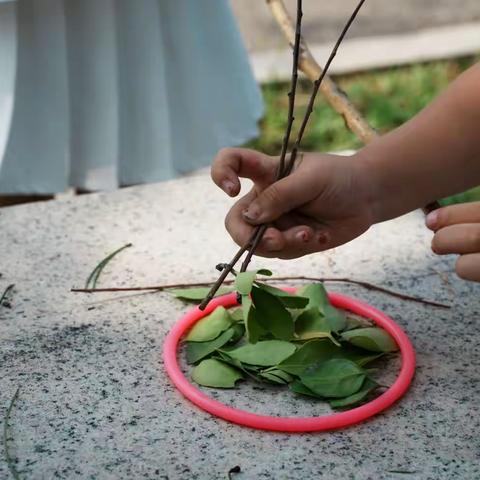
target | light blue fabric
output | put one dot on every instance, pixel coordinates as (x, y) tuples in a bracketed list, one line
[(97, 94)]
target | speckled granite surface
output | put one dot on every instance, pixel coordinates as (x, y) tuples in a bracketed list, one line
[(95, 402)]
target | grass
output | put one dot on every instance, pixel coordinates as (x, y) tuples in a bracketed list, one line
[(387, 98)]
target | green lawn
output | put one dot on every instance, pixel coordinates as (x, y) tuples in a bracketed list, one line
[(387, 98)]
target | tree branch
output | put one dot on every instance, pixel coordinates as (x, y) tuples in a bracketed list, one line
[(309, 66), (338, 99), (283, 172), (261, 229)]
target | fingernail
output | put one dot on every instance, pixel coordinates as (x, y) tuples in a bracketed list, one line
[(251, 213), (228, 186), (302, 236), (432, 220)]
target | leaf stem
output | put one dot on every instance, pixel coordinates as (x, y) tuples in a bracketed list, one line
[(94, 276), (5, 293)]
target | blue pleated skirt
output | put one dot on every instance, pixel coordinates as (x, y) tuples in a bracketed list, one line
[(98, 94)]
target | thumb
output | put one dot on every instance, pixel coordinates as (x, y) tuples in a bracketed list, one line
[(281, 197)]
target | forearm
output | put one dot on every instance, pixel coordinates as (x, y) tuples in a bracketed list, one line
[(434, 155)]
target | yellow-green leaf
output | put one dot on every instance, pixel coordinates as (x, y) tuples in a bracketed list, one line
[(368, 387), (335, 378), (198, 350), (198, 293), (214, 373), (265, 353), (374, 339), (211, 326)]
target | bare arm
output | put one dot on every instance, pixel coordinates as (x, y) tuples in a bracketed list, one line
[(434, 155)]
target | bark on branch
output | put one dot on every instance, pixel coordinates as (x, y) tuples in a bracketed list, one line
[(309, 66), (338, 99)]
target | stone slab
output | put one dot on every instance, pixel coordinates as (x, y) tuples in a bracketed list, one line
[(95, 402)]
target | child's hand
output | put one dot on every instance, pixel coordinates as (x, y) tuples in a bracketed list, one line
[(457, 230), (323, 203)]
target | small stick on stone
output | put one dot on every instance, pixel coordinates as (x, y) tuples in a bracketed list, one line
[(361, 283)]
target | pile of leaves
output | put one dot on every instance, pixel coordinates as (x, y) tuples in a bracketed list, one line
[(300, 340)]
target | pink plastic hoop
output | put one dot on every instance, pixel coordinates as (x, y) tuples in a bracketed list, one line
[(292, 424)]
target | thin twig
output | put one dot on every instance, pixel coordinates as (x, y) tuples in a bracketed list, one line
[(258, 235), (293, 89), (316, 86), (293, 155), (338, 99), (361, 283), (94, 276), (225, 271), (5, 293), (8, 458), (259, 231)]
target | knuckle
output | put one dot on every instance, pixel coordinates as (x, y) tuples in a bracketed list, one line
[(475, 237), (443, 217), (225, 152), (271, 195), (461, 267), (436, 242)]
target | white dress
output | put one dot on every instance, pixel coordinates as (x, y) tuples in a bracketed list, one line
[(96, 94)]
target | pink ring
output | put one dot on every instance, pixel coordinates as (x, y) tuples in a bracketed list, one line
[(292, 424)]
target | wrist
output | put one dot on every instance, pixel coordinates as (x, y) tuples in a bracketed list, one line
[(369, 183)]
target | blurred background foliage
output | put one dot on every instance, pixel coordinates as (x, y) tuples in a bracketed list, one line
[(387, 98)]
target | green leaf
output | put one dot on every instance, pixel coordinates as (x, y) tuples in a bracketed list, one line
[(371, 338), (266, 353), (335, 317), (238, 332), (368, 387), (211, 326), (358, 356), (198, 350), (298, 387), (276, 376), (236, 314), (265, 272), (309, 353), (319, 350), (356, 322), (289, 300), (214, 373), (318, 297), (244, 282), (334, 378), (311, 320), (271, 315), (198, 293), (312, 324), (250, 370), (316, 294), (253, 328)]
